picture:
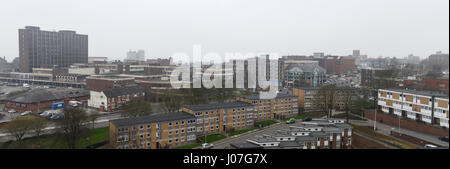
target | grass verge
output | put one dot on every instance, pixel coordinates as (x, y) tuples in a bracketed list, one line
[(52, 141)]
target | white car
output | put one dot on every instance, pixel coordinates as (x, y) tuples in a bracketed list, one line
[(46, 113), (12, 111), (207, 145), (25, 113), (430, 146)]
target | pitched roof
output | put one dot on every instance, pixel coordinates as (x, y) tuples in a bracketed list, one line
[(164, 117), (114, 92), (43, 95), (305, 67)]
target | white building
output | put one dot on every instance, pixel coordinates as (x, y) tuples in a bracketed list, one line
[(429, 107)]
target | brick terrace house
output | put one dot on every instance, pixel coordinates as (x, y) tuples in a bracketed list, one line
[(113, 98), (41, 99)]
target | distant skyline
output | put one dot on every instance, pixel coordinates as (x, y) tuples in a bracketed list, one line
[(288, 27)]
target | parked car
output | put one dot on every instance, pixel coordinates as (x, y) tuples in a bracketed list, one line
[(46, 114), (56, 116), (25, 113), (444, 138), (12, 111), (207, 146), (290, 121), (307, 119), (430, 146)]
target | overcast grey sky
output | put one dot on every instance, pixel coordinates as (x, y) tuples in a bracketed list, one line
[(163, 27)]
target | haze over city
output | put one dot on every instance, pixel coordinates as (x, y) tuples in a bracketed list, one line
[(163, 28)]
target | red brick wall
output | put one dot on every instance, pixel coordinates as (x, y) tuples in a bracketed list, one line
[(100, 84), (436, 84), (410, 138), (333, 68), (406, 123)]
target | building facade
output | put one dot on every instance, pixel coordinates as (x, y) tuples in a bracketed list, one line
[(41, 99), (280, 107), (339, 65), (112, 99), (425, 106), (158, 131), (317, 134), (221, 117), (38, 48), (304, 73), (311, 99)]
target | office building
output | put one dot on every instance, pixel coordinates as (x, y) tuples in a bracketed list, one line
[(45, 49)]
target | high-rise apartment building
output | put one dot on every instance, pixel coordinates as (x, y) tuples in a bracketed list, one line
[(39, 48)]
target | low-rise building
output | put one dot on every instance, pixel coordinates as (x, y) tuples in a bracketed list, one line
[(311, 99), (101, 82), (426, 106), (42, 99), (164, 130), (114, 98), (317, 134), (280, 107), (222, 117)]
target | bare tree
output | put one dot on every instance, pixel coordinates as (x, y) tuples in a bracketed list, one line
[(94, 116), (171, 101), (37, 125), (73, 125), (326, 99), (137, 108), (18, 127), (348, 101)]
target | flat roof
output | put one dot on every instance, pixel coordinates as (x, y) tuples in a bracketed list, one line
[(245, 145), (263, 140), (257, 96), (233, 104), (163, 117), (418, 92)]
